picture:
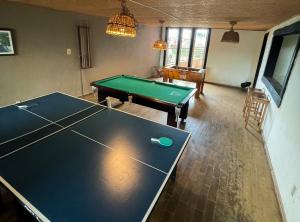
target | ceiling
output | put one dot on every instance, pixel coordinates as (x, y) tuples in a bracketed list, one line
[(250, 14)]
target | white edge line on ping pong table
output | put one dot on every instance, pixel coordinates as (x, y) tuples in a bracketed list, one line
[(26, 100), (76, 113), (26, 110), (125, 112), (102, 144), (166, 179), (77, 97), (62, 128), (51, 122), (37, 97), (33, 210)]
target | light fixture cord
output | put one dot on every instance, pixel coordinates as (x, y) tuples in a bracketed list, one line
[(161, 29), (232, 23), (153, 8), (125, 10)]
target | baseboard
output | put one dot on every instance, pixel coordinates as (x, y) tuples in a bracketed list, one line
[(278, 197), (88, 94), (220, 84)]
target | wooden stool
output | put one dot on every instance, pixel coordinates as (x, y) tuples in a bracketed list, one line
[(256, 108), (250, 92)]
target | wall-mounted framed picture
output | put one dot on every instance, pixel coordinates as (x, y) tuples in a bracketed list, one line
[(6, 42)]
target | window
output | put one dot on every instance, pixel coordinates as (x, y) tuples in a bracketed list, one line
[(284, 49), (187, 47), (199, 48), (171, 55)]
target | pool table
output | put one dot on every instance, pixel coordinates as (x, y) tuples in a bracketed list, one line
[(170, 98)]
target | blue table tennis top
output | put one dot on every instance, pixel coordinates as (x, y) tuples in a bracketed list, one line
[(54, 107), (87, 162)]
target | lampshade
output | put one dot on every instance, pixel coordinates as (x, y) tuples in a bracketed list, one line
[(160, 44), (122, 24), (231, 36)]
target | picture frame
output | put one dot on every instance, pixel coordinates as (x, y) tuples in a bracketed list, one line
[(7, 42)]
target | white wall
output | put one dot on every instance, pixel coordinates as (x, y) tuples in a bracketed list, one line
[(282, 136), (42, 66), (232, 64)]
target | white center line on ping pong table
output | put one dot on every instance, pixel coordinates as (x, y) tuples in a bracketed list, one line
[(51, 122), (80, 134)]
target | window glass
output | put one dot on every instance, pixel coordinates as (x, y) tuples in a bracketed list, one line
[(172, 40), (185, 47), (186, 57), (198, 55)]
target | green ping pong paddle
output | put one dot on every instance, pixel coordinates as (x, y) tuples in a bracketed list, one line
[(164, 141)]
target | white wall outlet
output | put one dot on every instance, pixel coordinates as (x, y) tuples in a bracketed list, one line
[(69, 51)]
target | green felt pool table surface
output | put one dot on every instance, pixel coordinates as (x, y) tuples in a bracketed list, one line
[(162, 91)]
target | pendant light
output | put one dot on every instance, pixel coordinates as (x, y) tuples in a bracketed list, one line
[(160, 44), (122, 24), (231, 35)]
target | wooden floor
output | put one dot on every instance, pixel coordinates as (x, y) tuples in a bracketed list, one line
[(223, 174)]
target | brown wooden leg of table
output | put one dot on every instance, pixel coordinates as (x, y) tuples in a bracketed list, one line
[(202, 84), (171, 119), (198, 86)]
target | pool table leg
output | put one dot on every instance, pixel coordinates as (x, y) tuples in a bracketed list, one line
[(102, 98), (171, 120), (184, 111), (172, 117)]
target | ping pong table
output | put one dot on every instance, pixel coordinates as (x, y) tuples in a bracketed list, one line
[(67, 159)]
